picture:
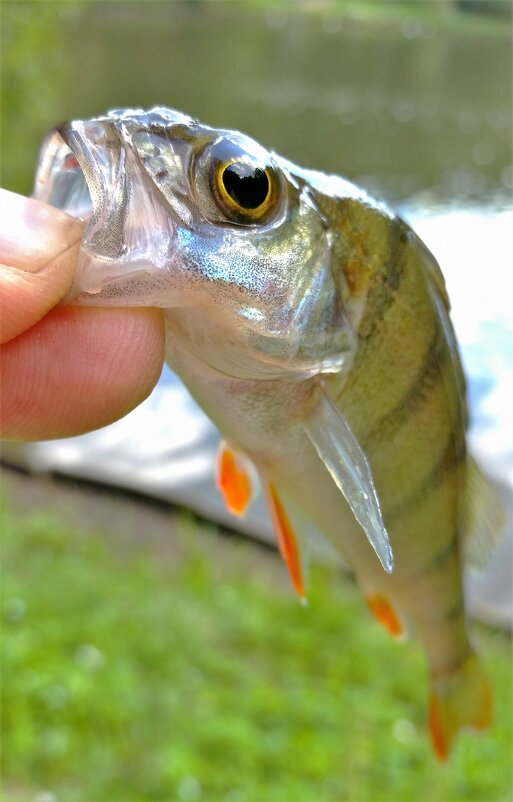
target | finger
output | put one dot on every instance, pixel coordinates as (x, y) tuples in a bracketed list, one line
[(78, 369), (38, 253)]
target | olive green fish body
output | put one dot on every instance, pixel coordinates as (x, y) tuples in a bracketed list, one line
[(403, 399)]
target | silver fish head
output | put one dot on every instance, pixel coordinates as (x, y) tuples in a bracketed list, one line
[(208, 225)]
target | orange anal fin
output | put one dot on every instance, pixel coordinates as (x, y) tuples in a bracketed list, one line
[(384, 613), (287, 541), (233, 481), (462, 701)]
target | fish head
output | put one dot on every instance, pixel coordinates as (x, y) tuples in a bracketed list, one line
[(208, 225)]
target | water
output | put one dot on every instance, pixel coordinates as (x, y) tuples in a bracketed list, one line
[(404, 109)]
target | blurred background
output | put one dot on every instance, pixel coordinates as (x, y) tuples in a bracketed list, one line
[(150, 653)]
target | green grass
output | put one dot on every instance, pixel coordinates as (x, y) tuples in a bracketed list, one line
[(129, 678)]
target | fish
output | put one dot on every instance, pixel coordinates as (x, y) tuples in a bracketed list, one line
[(313, 327)]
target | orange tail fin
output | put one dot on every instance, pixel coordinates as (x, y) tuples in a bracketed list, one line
[(461, 701)]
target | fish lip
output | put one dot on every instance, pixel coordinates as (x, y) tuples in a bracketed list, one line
[(130, 230)]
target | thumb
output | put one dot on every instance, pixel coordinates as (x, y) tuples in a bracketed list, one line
[(38, 252)]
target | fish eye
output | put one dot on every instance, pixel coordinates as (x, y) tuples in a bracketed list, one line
[(237, 184)]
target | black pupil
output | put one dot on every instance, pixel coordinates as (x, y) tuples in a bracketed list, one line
[(246, 185)]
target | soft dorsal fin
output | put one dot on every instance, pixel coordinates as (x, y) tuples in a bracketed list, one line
[(484, 518), (344, 459)]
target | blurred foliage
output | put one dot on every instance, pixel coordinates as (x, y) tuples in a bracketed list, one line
[(34, 64), (126, 678)]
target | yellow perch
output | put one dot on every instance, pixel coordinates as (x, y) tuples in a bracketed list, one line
[(312, 325)]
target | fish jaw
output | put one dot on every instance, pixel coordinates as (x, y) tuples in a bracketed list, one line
[(128, 254)]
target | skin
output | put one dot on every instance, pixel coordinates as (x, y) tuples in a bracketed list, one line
[(63, 370)]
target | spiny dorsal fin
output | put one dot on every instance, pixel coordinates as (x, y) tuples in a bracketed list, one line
[(484, 517)]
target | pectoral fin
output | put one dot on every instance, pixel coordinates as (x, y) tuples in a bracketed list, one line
[(342, 455)]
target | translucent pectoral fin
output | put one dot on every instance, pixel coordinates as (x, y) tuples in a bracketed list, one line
[(342, 455)]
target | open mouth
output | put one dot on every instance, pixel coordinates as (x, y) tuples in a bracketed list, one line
[(60, 180), (83, 170), (86, 170)]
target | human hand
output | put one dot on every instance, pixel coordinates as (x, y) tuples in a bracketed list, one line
[(64, 370)]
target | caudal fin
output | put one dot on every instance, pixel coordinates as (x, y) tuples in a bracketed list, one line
[(461, 701)]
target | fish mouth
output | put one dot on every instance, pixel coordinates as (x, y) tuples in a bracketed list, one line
[(129, 244)]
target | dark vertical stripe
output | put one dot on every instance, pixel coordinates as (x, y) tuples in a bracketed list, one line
[(417, 394), (450, 614), (452, 456), (434, 563), (386, 282), (452, 667)]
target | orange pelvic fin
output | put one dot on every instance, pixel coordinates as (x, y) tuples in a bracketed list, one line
[(287, 540), (461, 701), (233, 480), (384, 613)]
